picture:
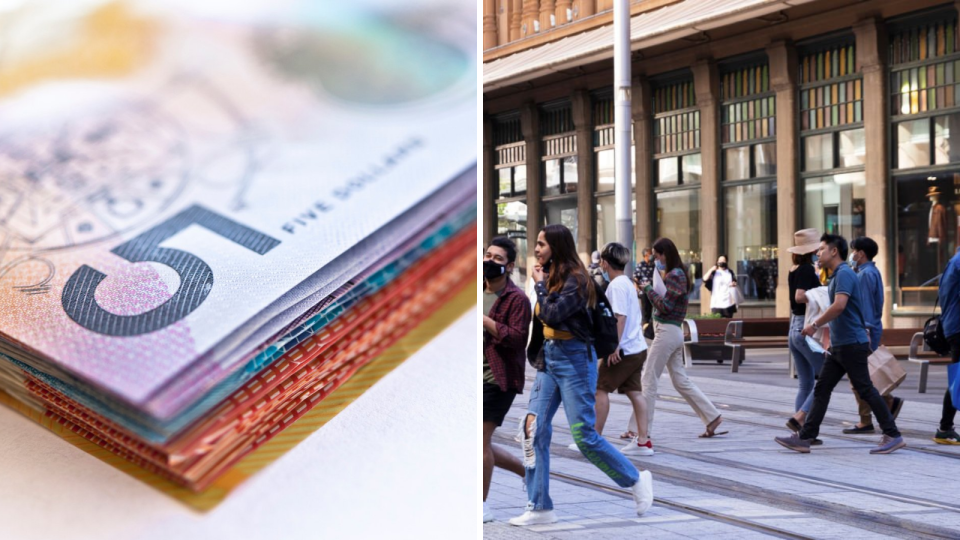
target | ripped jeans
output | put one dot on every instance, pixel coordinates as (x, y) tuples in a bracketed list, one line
[(570, 377)]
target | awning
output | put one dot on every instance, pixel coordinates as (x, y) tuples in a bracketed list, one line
[(666, 24)]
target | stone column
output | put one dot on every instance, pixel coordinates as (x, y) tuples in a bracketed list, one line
[(530, 127), (531, 12), (516, 15), (586, 181), (871, 58), (547, 12), (782, 57), (706, 83), (642, 105), (585, 8), (491, 184), (489, 24)]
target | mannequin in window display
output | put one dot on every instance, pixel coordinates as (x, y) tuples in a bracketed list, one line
[(937, 232)]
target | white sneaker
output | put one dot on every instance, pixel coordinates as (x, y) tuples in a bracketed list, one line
[(634, 448), (487, 514), (643, 492), (573, 446), (534, 517)]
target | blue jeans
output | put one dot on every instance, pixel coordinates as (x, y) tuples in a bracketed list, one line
[(570, 377), (807, 362)]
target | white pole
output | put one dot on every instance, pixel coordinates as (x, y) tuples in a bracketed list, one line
[(621, 105)]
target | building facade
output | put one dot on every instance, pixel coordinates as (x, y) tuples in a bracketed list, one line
[(751, 119)]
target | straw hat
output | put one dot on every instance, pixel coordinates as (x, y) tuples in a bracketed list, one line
[(805, 241), (933, 192)]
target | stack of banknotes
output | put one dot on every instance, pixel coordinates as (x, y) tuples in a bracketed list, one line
[(211, 217)]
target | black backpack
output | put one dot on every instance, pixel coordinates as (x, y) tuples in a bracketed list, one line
[(606, 338), (933, 333)]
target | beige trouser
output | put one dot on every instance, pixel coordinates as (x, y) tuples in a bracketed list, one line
[(667, 350)]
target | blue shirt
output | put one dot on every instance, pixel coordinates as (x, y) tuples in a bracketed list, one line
[(848, 328), (950, 297), (871, 287)]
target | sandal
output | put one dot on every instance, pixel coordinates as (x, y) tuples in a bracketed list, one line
[(628, 435), (711, 429)]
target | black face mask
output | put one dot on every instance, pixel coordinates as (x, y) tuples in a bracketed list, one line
[(492, 270), (721, 265)]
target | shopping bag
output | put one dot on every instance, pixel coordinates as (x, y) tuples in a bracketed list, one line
[(736, 297), (885, 371), (953, 379)]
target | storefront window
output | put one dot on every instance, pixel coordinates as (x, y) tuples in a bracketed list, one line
[(678, 218), (853, 148), (836, 204), (944, 152), (765, 157), (512, 223), (818, 152), (913, 144), (560, 176), (692, 168), (752, 238), (738, 163), (562, 211), (668, 172), (607, 219), (606, 169), (927, 227)]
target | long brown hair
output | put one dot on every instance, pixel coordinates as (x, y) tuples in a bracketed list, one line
[(668, 249), (565, 262)]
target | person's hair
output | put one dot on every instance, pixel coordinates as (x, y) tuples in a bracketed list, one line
[(837, 241), (806, 258), (563, 253), (866, 245), (668, 249), (507, 245), (646, 251), (616, 255)]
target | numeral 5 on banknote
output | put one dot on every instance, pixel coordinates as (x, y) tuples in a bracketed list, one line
[(196, 277)]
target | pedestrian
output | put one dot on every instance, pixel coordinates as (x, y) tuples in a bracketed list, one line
[(849, 350), (621, 370), (566, 374), (721, 282), (643, 273), (802, 278), (505, 331), (596, 273), (862, 252), (950, 322), (669, 310)]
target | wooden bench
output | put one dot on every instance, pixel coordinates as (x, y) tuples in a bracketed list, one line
[(921, 354), (755, 334), (704, 337)]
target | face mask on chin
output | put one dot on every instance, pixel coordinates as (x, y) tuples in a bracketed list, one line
[(660, 266)]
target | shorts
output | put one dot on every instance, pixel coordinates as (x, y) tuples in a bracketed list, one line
[(496, 403), (624, 376)]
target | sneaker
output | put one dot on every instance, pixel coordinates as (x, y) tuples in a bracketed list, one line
[(634, 448), (794, 425), (574, 447), (487, 514), (946, 437), (895, 408), (816, 442), (643, 492), (795, 443), (534, 517), (888, 445), (856, 430)]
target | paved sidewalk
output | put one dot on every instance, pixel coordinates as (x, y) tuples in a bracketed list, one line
[(744, 485)]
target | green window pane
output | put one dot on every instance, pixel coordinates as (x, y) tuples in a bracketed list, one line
[(940, 75), (858, 111), (835, 115)]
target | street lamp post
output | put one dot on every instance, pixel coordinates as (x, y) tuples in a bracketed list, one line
[(621, 90)]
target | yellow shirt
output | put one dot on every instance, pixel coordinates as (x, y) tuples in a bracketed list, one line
[(550, 333)]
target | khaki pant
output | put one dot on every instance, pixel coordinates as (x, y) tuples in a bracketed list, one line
[(667, 350)]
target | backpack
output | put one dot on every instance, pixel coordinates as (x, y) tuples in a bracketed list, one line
[(606, 338), (933, 334)]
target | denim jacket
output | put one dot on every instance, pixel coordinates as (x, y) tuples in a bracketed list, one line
[(563, 310)]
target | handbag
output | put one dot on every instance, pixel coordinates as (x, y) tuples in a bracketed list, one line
[(886, 373), (933, 333), (736, 297)]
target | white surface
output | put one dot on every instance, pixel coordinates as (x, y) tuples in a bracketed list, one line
[(400, 462)]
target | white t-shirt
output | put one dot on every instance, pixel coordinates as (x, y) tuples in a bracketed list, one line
[(721, 289), (623, 299)]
